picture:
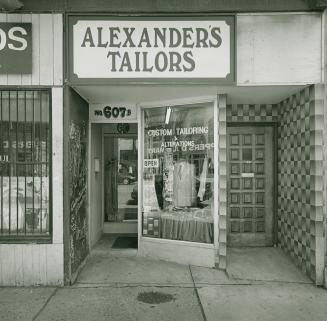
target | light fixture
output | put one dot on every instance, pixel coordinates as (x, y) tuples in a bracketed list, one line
[(168, 112)]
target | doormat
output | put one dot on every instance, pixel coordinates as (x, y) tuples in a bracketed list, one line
[(130, 216), (125, 242)]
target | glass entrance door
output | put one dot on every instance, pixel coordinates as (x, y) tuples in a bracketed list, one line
[(120, 178)]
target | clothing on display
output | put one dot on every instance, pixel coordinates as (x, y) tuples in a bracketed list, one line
[(168, 179), (184, 184), (203, 177), (149, 193)]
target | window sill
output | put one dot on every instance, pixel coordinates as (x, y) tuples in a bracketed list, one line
[(26, 239)]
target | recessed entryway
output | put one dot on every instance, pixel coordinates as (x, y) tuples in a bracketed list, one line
[(113, 187)]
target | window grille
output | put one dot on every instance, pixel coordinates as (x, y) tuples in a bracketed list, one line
[(25, 165)]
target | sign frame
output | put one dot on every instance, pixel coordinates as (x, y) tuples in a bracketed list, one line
[(73, 79)]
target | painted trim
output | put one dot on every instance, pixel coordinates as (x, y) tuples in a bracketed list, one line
[(177, 242), (216, 179)]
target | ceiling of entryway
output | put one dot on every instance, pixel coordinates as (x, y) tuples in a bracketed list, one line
[(146, 93)]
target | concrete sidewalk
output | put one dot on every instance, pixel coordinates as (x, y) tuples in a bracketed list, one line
[(121, 288)]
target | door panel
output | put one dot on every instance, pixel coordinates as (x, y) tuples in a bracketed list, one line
[(250, 186)]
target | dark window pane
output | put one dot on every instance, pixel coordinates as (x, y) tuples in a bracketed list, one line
[(247, 139), (247, 154), (24, 163), (234, 140), (248, 212), (235, 212)]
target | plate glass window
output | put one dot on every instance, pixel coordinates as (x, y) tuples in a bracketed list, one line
[(25, 150), (178, 172)]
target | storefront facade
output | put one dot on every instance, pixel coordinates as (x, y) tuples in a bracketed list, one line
[(195, 132), (31, 91)]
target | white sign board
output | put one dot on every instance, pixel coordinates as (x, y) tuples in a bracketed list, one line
[(112, 113), (153, 48), (151, 163)]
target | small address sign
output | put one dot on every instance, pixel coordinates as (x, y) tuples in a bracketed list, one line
[(116, 112), (112, 113)]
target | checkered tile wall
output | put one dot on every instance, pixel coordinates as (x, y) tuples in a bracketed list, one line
[(252, 113), (222, 181), (300, 121), (299, 196)]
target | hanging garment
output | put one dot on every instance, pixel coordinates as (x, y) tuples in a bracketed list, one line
[(203, 177), (150, 200), (184, 184), (168, 179)]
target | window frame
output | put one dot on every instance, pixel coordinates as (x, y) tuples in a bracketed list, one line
[(36, 238), (182, 102)]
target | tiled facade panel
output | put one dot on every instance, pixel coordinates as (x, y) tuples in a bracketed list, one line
[(252, 113), (298, 194), (300, 122), (222, 177)]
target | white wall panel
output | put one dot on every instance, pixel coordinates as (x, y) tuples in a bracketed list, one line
[(14, 79), (278, 49), (31, 264), (27, 78), (57, 164), (47, 50)]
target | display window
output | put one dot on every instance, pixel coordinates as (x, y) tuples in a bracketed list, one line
[(178, 172), (25, 150)]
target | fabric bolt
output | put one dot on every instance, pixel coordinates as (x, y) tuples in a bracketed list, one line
[(179, 227)]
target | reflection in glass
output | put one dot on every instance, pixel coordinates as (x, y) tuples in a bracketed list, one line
[(24, 163), (120, 201), (178, 172)]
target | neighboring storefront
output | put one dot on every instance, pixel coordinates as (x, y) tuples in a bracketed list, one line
[(31, 186), (196, 133)]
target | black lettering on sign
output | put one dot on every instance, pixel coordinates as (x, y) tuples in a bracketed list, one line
[(116, 112), (98, 113)]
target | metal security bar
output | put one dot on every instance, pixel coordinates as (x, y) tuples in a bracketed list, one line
[(25, 146)]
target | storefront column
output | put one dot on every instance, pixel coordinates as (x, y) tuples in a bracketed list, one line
[(324, 64), (222, 181)]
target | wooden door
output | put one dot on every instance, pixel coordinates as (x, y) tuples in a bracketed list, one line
[(250, 186)]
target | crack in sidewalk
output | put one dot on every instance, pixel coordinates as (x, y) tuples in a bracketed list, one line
[(197, 295), (45, 304)]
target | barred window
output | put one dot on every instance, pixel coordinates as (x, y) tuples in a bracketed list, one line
[(25, 165)]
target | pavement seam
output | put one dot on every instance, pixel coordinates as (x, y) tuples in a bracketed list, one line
[(197, 295), (45, 304)]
